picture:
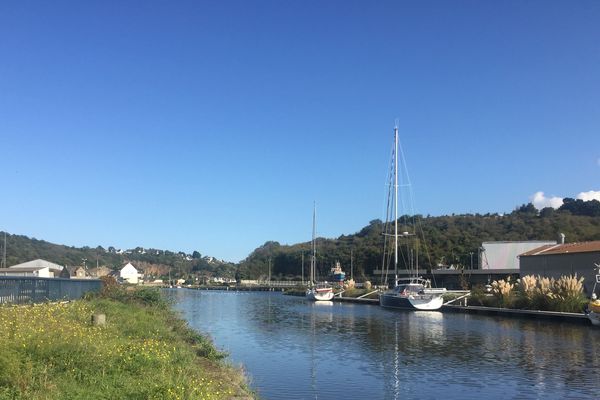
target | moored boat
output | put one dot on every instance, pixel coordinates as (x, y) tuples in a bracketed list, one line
[(337, 275), (412, 293), (317, 291)]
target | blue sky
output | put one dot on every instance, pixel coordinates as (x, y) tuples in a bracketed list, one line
[(213, 126)]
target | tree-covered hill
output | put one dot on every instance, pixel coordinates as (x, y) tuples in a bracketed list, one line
[(446, 240), (154, 262)]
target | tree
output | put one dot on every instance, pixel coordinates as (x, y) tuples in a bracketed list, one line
[(527, 209)]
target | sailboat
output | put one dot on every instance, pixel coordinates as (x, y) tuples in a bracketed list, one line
[(413, 293), (321, 291)]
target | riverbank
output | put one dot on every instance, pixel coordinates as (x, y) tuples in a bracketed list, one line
[(144, 351)]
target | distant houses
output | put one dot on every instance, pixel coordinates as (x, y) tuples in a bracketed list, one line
[(37, 268), (99, 272), (45, 269)]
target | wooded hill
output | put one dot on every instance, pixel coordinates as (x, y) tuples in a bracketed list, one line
[(154, 262), (445, 240)]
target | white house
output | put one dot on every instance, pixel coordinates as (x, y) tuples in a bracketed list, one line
[(129, 274), (40, 268)]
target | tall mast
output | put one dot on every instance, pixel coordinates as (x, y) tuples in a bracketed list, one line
[(4, 252), (313, 260), (303, 267), (351, 266), (395, 205)]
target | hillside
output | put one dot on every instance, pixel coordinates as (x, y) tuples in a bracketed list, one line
[(154, 262), (445, 240)]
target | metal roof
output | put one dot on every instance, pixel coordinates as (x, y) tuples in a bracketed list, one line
[(39, 263), (21, 270), (567, 248)]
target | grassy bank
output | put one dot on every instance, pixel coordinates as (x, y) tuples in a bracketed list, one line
[(52, 351)]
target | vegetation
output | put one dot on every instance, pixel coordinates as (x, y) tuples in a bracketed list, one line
[(449, 240), (52, 351), (155, 263), (534, 293), (446, 240)]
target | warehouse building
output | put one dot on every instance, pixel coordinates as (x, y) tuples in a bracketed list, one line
[(554, 261)]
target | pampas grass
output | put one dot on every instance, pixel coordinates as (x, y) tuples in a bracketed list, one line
[(540, 293)]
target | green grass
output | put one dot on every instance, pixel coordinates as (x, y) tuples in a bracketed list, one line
[(52, 351)]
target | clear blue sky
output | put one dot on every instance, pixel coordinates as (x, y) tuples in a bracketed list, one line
[(213, 125)]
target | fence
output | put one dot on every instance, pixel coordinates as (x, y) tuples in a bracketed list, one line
[(247, 282), (21, 290)]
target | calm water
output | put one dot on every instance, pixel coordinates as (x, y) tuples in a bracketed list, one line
[(295, 349)]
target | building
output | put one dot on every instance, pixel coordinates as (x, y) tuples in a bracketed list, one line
[(129, 274), (39, 268), (100, 271), (505, 255), (79, 273), (554, 261)]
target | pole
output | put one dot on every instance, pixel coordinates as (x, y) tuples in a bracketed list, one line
[(313, 261), (395, 205), (471, 253), (4, 252), (351, 266), (303, 267)]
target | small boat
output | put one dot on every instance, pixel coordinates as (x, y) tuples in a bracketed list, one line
[(592, 310), (414, 293), (337, 275), (320, 292), (317, 291)]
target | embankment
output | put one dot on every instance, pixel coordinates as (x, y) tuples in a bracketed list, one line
[(144, 351)]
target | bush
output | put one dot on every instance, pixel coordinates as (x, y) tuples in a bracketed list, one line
[(129, 294), (503, 291), (535, 293)]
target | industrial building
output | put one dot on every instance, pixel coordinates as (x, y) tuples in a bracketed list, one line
[(554, 261)]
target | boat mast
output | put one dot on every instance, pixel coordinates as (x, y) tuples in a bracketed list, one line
[(313, 260), (4, 252), (395, 205), (351, 266)]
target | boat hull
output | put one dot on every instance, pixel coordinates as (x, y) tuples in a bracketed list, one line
[(594, 318), (421, 303), (316, 295)]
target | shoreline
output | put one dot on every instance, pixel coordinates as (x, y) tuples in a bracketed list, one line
[(142, 348)]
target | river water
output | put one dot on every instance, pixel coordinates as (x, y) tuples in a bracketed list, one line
[(295, 349)]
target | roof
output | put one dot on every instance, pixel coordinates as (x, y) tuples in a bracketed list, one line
[(568, 248), (39, 263), (18, 270), (129, 269)]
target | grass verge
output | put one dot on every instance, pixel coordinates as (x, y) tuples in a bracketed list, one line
[(52, 351)]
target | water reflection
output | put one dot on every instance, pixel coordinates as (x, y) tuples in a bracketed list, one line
[(296, 349)]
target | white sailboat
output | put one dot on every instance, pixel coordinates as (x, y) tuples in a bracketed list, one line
[(413, 293), (321, 291)]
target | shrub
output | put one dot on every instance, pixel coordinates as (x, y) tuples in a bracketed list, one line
[(568, 294), (535, 293), (503, 291)]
